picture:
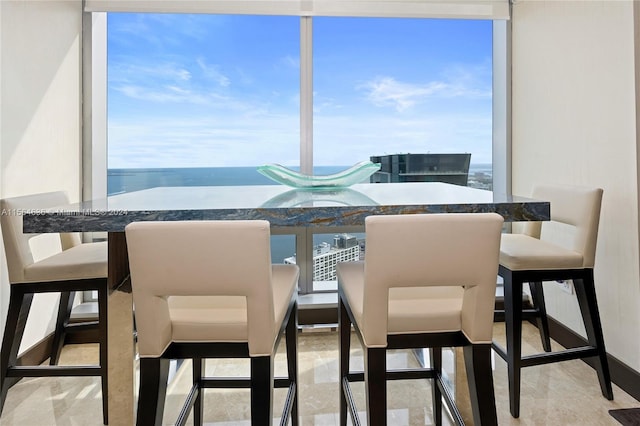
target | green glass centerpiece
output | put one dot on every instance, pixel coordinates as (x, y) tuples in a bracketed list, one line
[(354, 174)]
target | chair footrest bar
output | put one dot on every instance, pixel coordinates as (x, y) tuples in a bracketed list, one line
[(549, 357), (565, 355), (79, 326), (407, 374), (355, 377), (239, 382), (54, 371), (526, 314), (282, 382)]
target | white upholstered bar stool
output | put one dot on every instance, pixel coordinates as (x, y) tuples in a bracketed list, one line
[(75, 266), (207, 289), (427, 281), (563, 248)]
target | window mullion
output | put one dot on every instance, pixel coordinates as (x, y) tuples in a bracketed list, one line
[(306, 95)]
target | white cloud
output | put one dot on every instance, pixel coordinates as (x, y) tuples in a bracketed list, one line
[(229, 139), (341, 140), (143, 27), (164, 94), (213, 73), (148, 73), (387, 91), (204, 141), (291, 61)]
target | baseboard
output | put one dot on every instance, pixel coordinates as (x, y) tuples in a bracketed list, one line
[(622, 375)]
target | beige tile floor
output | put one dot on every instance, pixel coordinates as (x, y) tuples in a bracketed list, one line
[(555, 394)]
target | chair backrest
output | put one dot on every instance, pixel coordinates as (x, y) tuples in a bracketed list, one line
[(16, 243), (424, 250), (578, 207), (200, 258)]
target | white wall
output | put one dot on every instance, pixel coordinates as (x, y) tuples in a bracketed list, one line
[(574, 122), (40, 149)]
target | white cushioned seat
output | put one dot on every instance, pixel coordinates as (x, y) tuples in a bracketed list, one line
[(411, 309), (224, 318), (522, 252), (79, 262)]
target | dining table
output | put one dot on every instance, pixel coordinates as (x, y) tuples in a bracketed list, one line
[(284, 207)]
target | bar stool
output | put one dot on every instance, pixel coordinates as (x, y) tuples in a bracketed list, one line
[(207, 289), (535, 257), (427, 281), (74, 267)]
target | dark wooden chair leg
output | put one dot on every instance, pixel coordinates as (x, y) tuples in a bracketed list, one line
[(344, 326), (375, 367), (291, 335), (103, 337), (154, 373), (477, 360), (197, 370), (261, 390), (64, 313), (513, 326), (586, 294), (19, 306), (435, 354), (537, 295), (18, 312)]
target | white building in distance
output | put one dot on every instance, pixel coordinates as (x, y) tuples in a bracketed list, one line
[(345, 248)]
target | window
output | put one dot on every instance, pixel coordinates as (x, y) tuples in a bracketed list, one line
[(206, 91), (189, 95), (202, 99), (393, 86)]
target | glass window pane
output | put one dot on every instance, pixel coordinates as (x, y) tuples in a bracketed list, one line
[(200, 99), (283, 247), (328, 251), (395, 86)]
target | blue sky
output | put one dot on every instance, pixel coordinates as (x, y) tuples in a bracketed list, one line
[(215, 90)]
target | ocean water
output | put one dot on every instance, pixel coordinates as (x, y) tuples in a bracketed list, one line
[(282, 246), (128, 180)]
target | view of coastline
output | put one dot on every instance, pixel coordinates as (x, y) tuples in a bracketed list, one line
[(132, 179)]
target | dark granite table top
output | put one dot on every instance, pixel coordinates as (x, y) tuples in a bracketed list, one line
[(280, 205)]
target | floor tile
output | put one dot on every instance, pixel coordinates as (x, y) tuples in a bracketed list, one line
[(566, 393)]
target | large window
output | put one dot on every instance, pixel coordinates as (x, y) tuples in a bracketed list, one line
[(202, 99), (189, 95), (201, 92), (390, 86)]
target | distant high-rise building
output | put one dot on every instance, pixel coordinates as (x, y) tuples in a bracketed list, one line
[(344, 241), (345, 248), (449, 168)]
